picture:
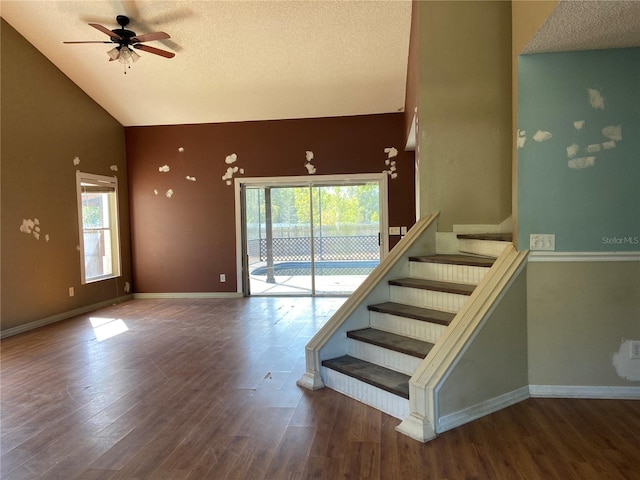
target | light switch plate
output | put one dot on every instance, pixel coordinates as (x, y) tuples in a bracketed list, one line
[(394, 230), (542, 241)]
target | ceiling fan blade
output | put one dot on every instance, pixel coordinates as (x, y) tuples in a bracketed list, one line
[(89, 41), (105, 30), (147, 37), (154, 50)]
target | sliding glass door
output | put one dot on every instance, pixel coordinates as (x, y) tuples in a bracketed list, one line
[(278, 240), (316, 238), (346, 230)]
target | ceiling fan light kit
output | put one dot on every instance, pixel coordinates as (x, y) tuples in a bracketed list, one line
[(126, 41), (123, 55)]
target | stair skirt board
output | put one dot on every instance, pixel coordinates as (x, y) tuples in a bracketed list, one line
[(382, 400), (446, 272), (409, 327), (448, 302), (474, 412), (400, 362)]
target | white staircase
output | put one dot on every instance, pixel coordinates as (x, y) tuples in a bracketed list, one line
[(381, 357), (409, 332)]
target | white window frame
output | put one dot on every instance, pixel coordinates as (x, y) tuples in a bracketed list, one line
[(107, 185)]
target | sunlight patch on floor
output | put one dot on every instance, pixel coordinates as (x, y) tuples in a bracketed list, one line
[(107, 327)]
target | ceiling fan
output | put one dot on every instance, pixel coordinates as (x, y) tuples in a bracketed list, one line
[(126, 40)]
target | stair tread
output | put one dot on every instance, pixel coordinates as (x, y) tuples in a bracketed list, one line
[(496, 237), (424, 284), (381, 377), (392, 341), (456, 259), (417, 313)]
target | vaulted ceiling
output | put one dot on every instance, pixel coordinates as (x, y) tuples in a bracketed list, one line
[(235, 60)]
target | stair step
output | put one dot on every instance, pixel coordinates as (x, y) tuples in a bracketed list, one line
[(417, 313), (467, 260), (423, 284), (380, 377), (486, 244), (494, 237), (392, 341)]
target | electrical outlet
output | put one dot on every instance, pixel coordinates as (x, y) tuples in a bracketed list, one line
[(71, 292), (223, 277), (635, 350), (542, 241)]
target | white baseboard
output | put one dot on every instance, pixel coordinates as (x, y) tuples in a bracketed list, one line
[(62, 316), (469, 414), (189, 295), (453, 420), (572, 391)]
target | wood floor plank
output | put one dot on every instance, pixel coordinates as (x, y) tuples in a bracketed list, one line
[(205, 389), (19, 473), (292, 453), (362, 460), (322, 468)]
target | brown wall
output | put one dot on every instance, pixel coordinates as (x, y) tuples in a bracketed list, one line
[(47, 121), (183, 243)]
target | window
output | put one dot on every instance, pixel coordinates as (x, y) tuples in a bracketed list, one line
[(98, 222)]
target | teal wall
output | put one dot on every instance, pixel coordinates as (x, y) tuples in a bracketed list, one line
[(581, 184)]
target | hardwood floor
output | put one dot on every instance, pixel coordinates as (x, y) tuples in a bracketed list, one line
[(205, 389)]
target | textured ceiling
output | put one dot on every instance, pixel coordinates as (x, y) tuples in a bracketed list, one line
[(588, 25), (260, 59), (235, 60)]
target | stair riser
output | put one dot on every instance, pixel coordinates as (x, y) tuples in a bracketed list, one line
[(384, 357), (409, 327), (384, 401), (447, 272), (487, 248), (447, 302)]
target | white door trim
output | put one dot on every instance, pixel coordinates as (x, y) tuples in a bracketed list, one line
[(315, 180)]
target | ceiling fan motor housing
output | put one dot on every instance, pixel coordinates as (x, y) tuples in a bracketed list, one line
[(125, 36)]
